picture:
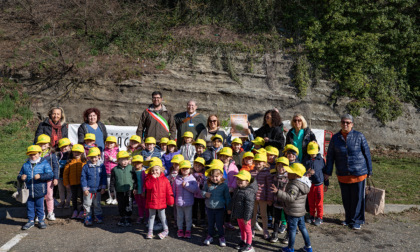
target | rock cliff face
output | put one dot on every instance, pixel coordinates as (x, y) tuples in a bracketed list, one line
[(221, 86)]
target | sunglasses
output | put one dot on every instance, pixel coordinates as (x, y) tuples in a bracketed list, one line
[(297, 120), (213, 121), (345, 122)]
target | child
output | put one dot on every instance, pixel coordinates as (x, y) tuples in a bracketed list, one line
[(216, 192), (217, 145), (187, 149), (159, 195), (35, 173), (93, 181), (280, 181), (258, 143), (123, 180), (44, 142), (134, 146), (272, 154), (169, 154), (110, 161), (89, 142), (174, 171), (199, 204), (151, 150), (71, 178), (241, 207), (294, 198), (291, 152), (248, 161), (184, 188), (316, 194), (139, 192), (62, 157), (264, 196), (200, 151), (163, 144), (229, 172), (238, 152)]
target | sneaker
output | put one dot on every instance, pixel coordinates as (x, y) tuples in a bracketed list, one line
[(240, 245), (258, 227), (310, 220), (114, 202), (229, 226), (248, 248), (109, 201), (274, 238), (61, 204), (318, 221), (67, 205), (282, 228), (285, 239), (180, 233), (222, 242), (208, 240), (121, 223), (88, 221), (128, 222), (356, 226), (344, 223), (81, 215), (308, 249), (163, 234), (187, 234), (36, 219), (99, 219), (28, 225), (51, 216), (42, 225), (74, 215), (287, 249), (149, 235), (139, 220)]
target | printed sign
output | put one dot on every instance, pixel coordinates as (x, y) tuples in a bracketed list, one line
[(239, 124)]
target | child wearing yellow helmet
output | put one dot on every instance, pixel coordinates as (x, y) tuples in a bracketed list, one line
[(139, 192), (201, 151), (248, 161), (134, 146), (163, 145), (171, 151), (150, 149), (63, 156), (199, 207), (187, 149), (110, 161), (89, 142)]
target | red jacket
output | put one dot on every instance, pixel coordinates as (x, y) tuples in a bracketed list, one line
[(159, 192)]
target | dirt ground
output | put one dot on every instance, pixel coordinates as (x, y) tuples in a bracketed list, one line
[(392, 232)]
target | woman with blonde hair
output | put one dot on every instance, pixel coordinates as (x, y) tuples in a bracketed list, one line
[(54, 126), (300, 135)]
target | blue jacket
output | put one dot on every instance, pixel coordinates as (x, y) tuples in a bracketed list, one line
[(318, 165), (154, 153), (220, 196), (37, 188), (351, 157), (207, 155), (52, 160), (93, 177)]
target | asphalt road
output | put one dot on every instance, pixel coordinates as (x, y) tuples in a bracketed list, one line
[(392, 232)]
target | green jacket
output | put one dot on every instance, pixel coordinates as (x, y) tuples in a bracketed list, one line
[(123, 179)]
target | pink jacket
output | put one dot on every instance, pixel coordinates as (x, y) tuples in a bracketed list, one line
[(230, 171), (110, 158)]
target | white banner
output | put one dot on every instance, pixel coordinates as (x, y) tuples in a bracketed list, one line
[(122, 133)]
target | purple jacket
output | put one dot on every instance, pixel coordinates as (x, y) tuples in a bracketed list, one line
[(264, 179), (201, 179), (166, 158), (184, 196), (229, 172)]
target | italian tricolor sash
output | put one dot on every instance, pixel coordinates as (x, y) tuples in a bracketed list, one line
[(162, 121)]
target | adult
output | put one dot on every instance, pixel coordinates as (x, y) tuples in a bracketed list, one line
[(300, 136), (92, 124), (212, 128), (349, 151), (54, 126), (156, 121), (272, 130), (189, 121)]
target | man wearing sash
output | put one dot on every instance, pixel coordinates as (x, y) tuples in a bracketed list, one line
[(156, 121), (189, 121)]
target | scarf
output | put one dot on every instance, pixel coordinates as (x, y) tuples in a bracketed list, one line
[(55, 133)]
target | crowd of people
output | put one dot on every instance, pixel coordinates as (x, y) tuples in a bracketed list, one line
[(206, 177)]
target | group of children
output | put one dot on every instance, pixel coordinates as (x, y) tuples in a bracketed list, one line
[(196, 181)]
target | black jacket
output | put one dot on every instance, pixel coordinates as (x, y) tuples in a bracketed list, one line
[(83, 130), (45, 127), (242, 203), (274, 134), (308, 136), (207, 155)]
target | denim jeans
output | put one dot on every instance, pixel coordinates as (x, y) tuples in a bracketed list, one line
[(295, 222), (216, 216), (35, 206)]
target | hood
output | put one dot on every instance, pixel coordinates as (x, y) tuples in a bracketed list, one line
[(304, 184), (152, 107), (186, 179)]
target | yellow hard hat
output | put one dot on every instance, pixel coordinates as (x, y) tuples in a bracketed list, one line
[(259, 141), (237, 140), (150, 140), (135, 138), (215, 164), (260, 157), (90, 136), (94, 151), (227, 151), (217, 136), (200, 160), (272, 150), (78, 148), (111, 139), (248, 154), (123, 154), (296, 168), (313, 148), (283, 160), (200, 141), (188, 134), (177, 158), (171, 142), (261, 151), (137, 158), (164, 140), (291, 147), (63, 142), (154, 161), (43, 139), (244, 175), (33, 149), (185, 164)]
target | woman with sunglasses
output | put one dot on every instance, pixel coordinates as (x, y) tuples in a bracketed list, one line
[(213, 128), (300, 136)]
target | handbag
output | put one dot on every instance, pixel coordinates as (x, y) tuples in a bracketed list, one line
[(375, 198), (22, 193)]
